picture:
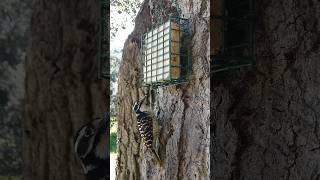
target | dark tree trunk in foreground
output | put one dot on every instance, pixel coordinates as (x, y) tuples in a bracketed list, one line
[(266, 120), (62, 89), (184, 109)]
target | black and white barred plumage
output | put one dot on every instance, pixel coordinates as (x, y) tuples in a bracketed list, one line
[(91, 144), (147, 125)]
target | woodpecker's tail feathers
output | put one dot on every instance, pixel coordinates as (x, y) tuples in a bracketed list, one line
[(157, 156)]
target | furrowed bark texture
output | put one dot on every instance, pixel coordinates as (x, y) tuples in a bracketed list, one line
[(266, 120), (183, 110), (62, 89)]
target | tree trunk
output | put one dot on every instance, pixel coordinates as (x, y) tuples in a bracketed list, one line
[(266, 119), (62, 88), (183, 109)]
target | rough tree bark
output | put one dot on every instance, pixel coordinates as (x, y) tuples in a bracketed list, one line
[(183, 110), (62, 89), (265, 120)]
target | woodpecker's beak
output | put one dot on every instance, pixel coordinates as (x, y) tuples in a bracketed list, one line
[(144, 97), (141, 100)]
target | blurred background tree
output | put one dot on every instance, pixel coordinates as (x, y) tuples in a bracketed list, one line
[(115, 64), (14, 29), (15, 17)]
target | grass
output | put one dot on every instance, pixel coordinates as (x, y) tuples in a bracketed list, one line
[(113, 146), (10, 177), (113, 142)]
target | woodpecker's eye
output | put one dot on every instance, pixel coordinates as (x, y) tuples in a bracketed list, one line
[(89, 132)]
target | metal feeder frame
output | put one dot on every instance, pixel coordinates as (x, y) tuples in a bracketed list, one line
[(185, 61), (104, 41), (225, 59)]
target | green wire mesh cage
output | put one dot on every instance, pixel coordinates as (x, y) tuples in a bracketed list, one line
[(104, 41), (164, 53), (232, 29)]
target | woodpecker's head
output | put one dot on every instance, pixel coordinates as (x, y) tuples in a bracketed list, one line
[(137, 105), (91, 144)]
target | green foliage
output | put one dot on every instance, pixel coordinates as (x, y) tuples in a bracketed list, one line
[(113, 135), (114, 68), (129, 8), (126, 6)]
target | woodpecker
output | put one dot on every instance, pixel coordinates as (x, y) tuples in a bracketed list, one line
[(148, 127), (91, 144)]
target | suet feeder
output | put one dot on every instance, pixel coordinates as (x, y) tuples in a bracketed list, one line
[(164, 53), (232, 34), (104, 41)]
